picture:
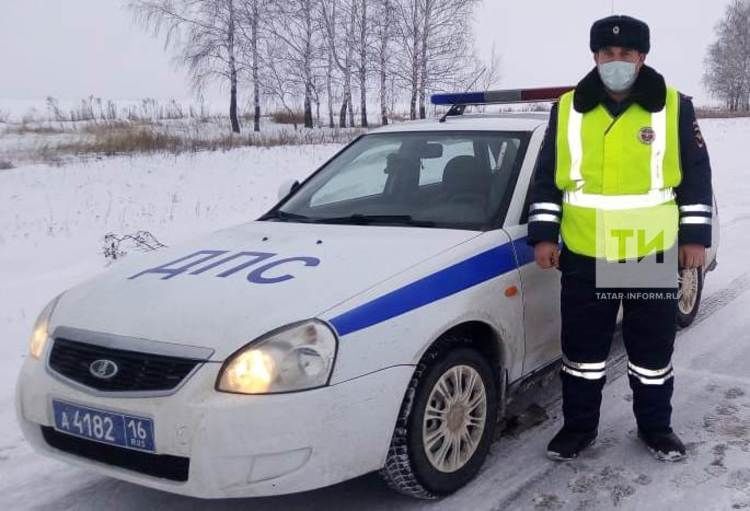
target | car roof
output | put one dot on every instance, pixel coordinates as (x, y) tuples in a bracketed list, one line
[(520, 121)]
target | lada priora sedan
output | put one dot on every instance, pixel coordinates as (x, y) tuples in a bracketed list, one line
[(378, 318)]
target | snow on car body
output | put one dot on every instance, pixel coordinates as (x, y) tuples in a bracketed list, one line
[(377, 318)]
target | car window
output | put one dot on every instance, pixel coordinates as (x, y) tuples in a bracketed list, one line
[(432, 168), (452, 179), (363, 176)]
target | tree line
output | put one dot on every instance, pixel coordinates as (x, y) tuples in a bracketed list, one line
[(727, 63), (323, 54)]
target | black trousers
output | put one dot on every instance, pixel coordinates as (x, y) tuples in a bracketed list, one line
[(589, 316)]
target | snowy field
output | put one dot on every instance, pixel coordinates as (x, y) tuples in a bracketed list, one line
[(52, 222), (63, 132)]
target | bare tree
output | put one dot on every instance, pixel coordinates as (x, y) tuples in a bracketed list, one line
[(338, 15), (491, 75), (435, 47), (293, 25), (307, 52), (427, 27), (383, 28), (349, 60), (408, 29), (727, 62), (279, 83), (446, 52), (204, 32), (251, 12), (362, 65), (328, 26)]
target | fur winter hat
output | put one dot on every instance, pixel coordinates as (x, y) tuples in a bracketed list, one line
[(622, 31)]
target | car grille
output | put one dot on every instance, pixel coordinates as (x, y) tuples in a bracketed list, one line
[(174, 468), (136, 371)]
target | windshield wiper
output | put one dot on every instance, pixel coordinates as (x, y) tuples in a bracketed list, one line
[(284, 216), (375, 219)]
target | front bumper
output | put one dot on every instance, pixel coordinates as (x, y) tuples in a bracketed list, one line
[(237, 445)]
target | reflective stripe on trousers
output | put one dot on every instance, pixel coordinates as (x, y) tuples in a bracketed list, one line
[(650, 376)]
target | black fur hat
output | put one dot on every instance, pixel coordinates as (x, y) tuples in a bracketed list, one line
[(622, 31)]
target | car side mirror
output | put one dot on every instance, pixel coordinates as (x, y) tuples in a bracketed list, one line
[(287, 187)]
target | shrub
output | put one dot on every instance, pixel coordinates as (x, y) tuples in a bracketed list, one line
[(286, 117), (138, 140)]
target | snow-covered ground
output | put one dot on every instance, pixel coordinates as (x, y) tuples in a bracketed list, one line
[(53, 219)]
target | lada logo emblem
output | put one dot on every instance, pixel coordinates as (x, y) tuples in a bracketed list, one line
[(103, 369)]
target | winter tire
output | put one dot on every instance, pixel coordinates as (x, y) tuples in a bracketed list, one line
[(446, 423), (689, 296)]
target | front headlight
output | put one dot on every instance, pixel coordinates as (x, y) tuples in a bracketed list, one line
[(40, 333), (297, 357)]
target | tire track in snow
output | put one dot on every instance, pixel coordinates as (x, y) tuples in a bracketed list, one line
[(723, 297)]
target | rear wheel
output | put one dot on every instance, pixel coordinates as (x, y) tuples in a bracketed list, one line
[(689, 296), (446, 423)]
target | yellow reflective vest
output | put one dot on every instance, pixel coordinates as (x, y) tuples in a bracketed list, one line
[(617, 175)]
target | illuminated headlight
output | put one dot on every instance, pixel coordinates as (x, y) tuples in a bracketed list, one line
[(40, 333), (297, 357)]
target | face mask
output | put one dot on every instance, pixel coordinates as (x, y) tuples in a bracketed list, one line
[(618, 75)]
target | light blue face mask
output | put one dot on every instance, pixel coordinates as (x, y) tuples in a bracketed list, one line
[(618, 75)]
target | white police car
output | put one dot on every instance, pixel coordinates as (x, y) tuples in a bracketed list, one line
[(379, 317)]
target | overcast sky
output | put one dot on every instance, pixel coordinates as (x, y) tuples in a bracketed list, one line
[(73, 48)]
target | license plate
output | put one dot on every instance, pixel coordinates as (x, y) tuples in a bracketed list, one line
[(129, 431)]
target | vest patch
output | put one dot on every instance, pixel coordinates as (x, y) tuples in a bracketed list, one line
[(646, 135)]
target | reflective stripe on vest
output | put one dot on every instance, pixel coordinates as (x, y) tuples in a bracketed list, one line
[(658, 148), (611, 202)]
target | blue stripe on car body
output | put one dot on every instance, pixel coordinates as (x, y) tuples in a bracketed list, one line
[(448, 281)]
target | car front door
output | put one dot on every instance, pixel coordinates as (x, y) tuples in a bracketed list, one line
[(540, 288)]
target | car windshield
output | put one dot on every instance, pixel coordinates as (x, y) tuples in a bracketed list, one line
[(460, 179)]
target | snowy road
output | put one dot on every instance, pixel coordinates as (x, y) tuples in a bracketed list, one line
[(712, 361)]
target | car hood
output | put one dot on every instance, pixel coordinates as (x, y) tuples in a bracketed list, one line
[(228, 288)]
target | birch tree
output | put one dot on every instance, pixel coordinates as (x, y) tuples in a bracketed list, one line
[(251, 13), (360, 7), (204, 33), (293, 26), (446, 49), (727, 62), (339, 19), (408, 29), (383, 28), (491, 72), (435, 47)]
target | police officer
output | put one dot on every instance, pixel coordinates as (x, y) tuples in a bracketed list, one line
[(624, 150)]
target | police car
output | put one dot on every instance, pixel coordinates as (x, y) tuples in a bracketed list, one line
[(378, 318)]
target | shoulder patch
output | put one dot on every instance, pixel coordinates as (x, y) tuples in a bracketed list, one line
[(698, 135)]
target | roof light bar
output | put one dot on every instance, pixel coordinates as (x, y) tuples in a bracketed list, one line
[(500, 96)]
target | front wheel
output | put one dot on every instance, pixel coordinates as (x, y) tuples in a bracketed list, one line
[(446, 423), (689, 296)]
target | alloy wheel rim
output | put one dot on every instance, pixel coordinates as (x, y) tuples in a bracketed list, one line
[(455, 418), (688, 290)]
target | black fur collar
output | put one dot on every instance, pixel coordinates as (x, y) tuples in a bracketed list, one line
[(649, 91)]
